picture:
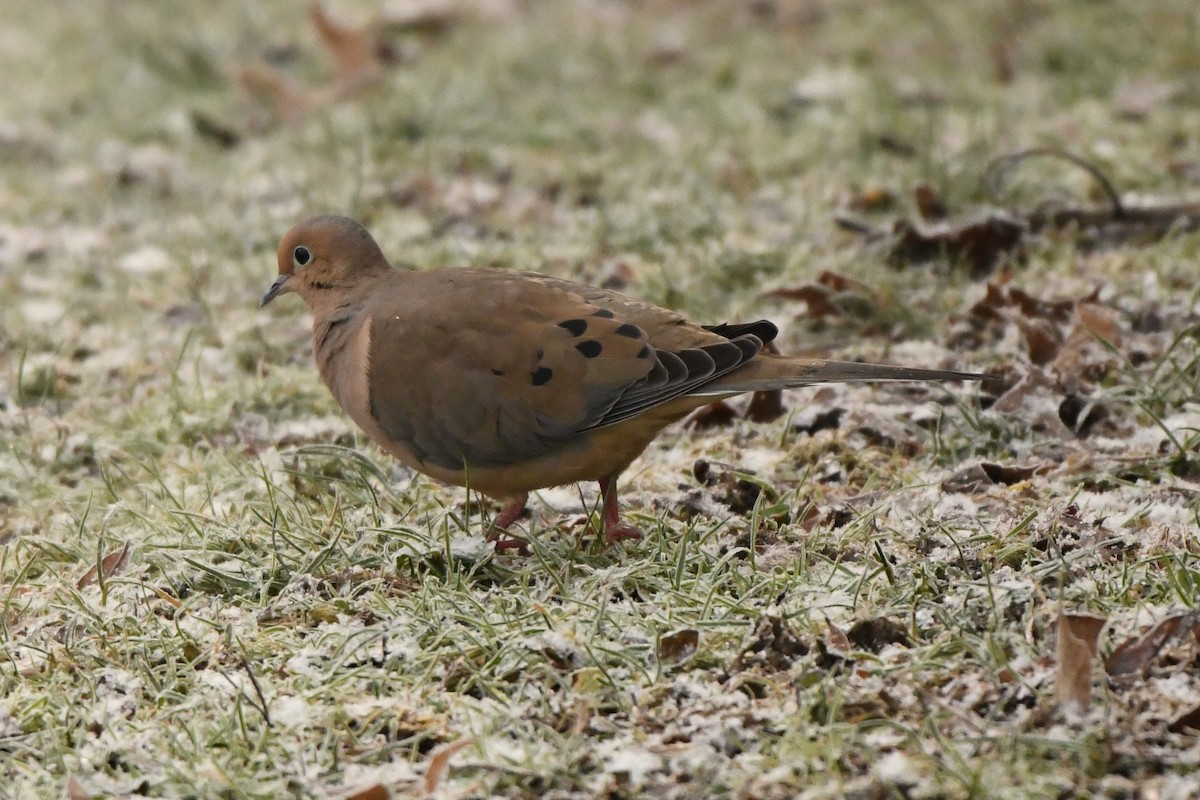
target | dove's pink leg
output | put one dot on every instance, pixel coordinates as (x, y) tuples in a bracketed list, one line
[(507, 516), (614, 529)]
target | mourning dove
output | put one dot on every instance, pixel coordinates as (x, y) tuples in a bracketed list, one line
[(508, 382)]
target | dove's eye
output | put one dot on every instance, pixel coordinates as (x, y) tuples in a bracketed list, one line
[(301, 256)]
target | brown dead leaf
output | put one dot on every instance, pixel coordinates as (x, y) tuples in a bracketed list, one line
[(1025, 392), (930, 206), (991, 307), (1057, 310), (860, 711), (439, 763), (1042, 339), (1188, 722), (714, 415), (290, 101), (844, 283), (838, 517), (679, 646), (1078, 644), (1134, 655), (360, 58), (817, 298), (830, 295), (773, 645), (617, 276), (765, 406), (876, 633), (1061, 332), (417, 190), (978, 477), (829, 420), (809, 516), (1087, 354), (75, 790), (1001, 48), (376, 792), (1186, 170), (1098, 321), (215, 131), (693, 503), (356, 53), (971, 480), (1080, 414), (1012, 474), (982, 242), (111, 565), (836, 640), (581, 718), (898, 145), (730, 486), (872, 199)]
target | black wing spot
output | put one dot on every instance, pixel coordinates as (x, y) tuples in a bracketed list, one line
[(542, 375), (603, 313), (590, 349), (499, 373), (630, 330), (644, 352), (575, 326), (765, 330)]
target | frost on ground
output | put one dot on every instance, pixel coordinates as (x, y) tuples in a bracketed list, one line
[(213, 588)]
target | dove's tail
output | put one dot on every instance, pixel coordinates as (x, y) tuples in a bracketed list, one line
[(769, 372)]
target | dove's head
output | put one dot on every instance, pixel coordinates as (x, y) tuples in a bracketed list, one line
[(326, 257)]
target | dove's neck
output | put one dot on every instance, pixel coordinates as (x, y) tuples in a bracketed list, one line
[(338, 317), (341, 341), (341, 338)]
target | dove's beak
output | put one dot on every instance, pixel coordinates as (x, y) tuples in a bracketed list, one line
[(279, 286)]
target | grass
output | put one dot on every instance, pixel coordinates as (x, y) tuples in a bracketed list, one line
[(300, 616)]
